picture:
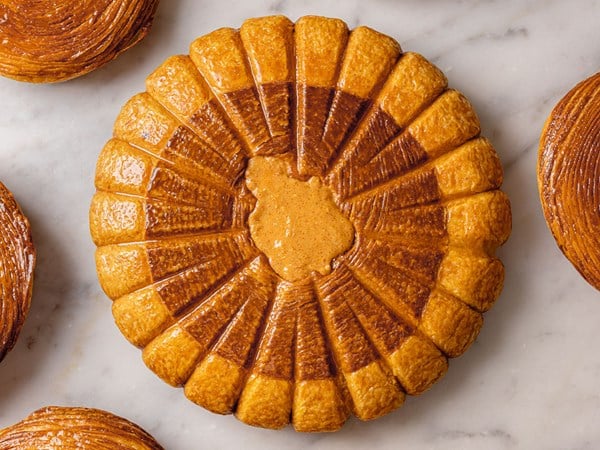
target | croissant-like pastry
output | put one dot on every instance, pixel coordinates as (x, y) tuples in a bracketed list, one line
[(43, 41), (298, 222), (17, 261), (569, 176), (68, 428)]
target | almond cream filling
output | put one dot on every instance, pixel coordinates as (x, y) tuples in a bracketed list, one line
[(295, 223)]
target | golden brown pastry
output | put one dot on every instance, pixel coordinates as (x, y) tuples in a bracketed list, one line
[(64, 428), (17, 261), (42, 41), (569, 176), (297, 222)]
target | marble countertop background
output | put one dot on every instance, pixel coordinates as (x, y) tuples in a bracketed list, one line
[(530, 381)]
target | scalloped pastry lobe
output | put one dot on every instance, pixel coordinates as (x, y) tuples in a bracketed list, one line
[(402, 157)]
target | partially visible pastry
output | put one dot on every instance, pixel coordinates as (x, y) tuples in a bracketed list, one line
[(17, 261), (569, 176), (64, 428), (43, 41)]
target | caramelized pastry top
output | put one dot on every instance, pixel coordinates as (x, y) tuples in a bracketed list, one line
[(569, 176), (394, 209), (17, 261), (64, 428), (44, 41)]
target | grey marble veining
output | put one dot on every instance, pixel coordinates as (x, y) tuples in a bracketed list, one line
[(531, 379)]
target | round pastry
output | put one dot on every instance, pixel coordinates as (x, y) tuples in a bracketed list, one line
[(298, 222), (17, 261), (44, 41), (64, 428), (569, 176)]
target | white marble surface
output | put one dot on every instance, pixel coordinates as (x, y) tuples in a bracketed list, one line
[(531, 379)]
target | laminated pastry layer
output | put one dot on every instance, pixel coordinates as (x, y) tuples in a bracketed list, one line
[(17, 262), (44, 42)]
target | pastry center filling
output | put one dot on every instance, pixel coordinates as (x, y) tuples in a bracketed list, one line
[(295, 223)]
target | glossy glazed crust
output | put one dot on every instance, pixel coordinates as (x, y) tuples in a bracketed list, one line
[(47, 41), (17, 261), (403, 158), (64, 428), (569, 176)]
